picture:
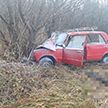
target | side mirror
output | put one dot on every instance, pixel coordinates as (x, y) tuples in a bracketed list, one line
[(63, 45)]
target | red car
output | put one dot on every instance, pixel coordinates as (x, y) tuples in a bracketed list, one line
[(73, 47)]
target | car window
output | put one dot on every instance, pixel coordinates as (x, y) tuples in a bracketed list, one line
[(95, 39), (61, 38), (76, 42)]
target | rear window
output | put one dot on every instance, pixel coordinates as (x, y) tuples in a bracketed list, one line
[(95, 39)]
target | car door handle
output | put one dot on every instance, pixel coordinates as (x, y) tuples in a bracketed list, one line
[(78, 51), (105, 46)]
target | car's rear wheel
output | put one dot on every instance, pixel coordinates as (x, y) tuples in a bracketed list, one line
[(105, 59), (46, 62)]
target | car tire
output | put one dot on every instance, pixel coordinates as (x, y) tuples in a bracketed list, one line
[(46, 62), (105, 59)]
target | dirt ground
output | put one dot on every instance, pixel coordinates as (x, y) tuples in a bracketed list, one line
[(61, 86)]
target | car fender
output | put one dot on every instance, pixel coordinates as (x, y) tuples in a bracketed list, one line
[(106, 53)]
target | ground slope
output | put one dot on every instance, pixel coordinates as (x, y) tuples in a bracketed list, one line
[(31, 86)]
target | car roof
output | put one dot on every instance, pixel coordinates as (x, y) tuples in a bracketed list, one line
[(84, 32)]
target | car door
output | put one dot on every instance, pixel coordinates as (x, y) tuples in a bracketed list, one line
[(73, 53), (96, 47)]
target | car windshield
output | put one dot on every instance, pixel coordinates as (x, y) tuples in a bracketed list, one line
[(60, 38)]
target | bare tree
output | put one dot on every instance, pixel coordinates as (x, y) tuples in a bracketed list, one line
[(26, 23)]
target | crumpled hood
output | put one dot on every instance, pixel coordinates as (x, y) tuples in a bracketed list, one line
[(49, 44)]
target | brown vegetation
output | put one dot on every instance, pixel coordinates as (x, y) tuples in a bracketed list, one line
[(24, 24), (32, 86)]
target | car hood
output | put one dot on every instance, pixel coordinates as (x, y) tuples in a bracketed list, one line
[(49, 44)]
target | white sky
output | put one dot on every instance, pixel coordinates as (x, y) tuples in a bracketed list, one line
[(103, 1)]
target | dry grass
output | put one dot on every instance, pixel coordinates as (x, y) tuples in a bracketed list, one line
[(31, 86)]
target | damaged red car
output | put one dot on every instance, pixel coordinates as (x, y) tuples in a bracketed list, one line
[(73, 47)]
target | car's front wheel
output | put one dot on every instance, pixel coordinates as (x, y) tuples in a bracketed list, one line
[(46, 62), (105, 59)]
